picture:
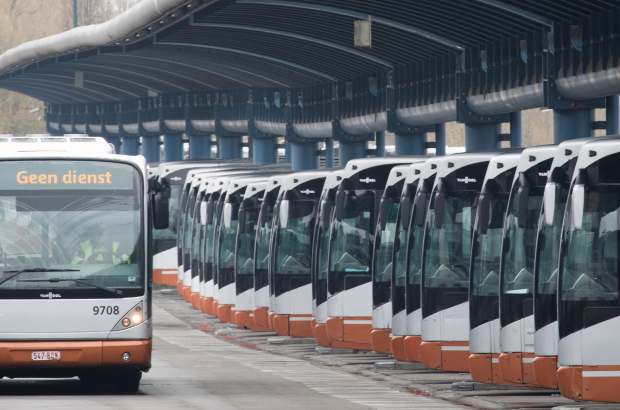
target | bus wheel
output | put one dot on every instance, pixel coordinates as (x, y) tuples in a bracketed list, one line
[(128, 381)]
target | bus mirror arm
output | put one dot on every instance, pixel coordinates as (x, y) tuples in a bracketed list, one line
[(549, 202), (160, 211), (578, 198), (483, 212)]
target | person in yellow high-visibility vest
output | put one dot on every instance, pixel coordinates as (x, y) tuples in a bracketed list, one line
[(93, 249)]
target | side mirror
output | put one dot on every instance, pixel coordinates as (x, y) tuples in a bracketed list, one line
[(484, 211), (218, 212), (419, 208), (384, 206), (326, 209), (241, 217), (549, 202), (227, 215), (440, 199), (161, 215), (523, 197), (203, 212), (405, 210), (578, 199), (339, 204), (283, 213)]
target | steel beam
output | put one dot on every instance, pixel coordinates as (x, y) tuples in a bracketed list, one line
[(173, 148), (151, 149), (440, 139), (199, 146), (380, 143), (571, 124), (130, 146), (612, 114), (329, 153), (410, 144), (482, 136)]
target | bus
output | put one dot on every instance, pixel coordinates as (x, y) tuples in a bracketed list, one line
[(75, 275)]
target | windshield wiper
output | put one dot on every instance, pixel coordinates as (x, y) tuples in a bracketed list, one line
[(82, 281), (18, 272)]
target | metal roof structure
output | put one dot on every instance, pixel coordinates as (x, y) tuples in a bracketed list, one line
[(274, 67)]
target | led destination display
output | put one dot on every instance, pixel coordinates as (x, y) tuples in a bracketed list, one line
[(65, 175)]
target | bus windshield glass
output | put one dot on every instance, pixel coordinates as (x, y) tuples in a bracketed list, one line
[(245, 249), (80, 220), (173, 211), (446, 260), (261, 257), (383, 257), (320, 264), (293, 247), (352, 239), (228, 235), (517, 281)]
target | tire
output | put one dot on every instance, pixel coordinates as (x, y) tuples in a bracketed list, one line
[(128, 381)]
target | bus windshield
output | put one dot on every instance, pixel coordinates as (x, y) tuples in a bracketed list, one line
[(293, 247), (82, 219), (448, 248), (352, 239), (245, 250), (173, 212), (261, 256), (226, 243), (413, 265), (485, 262), (517, 276), (320, 263), (383, 257)]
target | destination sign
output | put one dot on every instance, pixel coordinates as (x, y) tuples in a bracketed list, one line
[(65, 175)]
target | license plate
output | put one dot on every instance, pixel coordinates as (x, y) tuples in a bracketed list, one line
[(45, 356)]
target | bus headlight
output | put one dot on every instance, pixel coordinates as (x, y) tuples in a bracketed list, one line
[(132, 318)]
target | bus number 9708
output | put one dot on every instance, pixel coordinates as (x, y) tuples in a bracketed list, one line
[(105, 310)]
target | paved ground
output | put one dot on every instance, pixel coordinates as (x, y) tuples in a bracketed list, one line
[(199, 363)]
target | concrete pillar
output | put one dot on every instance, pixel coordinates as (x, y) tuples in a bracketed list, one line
[(440, 139), (173, 148), (410, 144), (611, 113), (150, 149), (304, 156), (130, 146), (352, 150), (571, 124), (229, 147), (380, 142), (482, 136), (199, 146), (116, 141), (265, 150), (329, 153), (515, 129), (288, 152)]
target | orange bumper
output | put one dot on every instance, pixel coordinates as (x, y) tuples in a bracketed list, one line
[(207, 306), (187, 293), (350, 329), (233, 316), (261, 317), (313, 327), (546, 371), (517, 367), (412, 348), (223, 313), (398, 348), (320, 332), (214, 307), (16, 355), (584, 383), (450, 356), (293, 325), (167, 277), (157, 279), (194, 298), (180, 287), (381, 340), (270, 320), (245, 320)]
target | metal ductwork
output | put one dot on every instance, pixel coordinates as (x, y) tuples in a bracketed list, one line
[(240, 126), (204, 125), (151, 126), (314, 130), (428, 114), (275, 128), (175, 125), (365, 124), (514, 99), (130, 128)]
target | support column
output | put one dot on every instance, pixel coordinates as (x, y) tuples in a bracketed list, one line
[(571, 124), (410, 144), (440, 139), (288, 152), (173, 148), (329, 153), (482, 136), (612, 114), (380, 143), (130, 146), (265, 150), (199, 146), (229, 147), (352, 150), (515, 129), (304, 156), (116, 141), (151, 148)]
